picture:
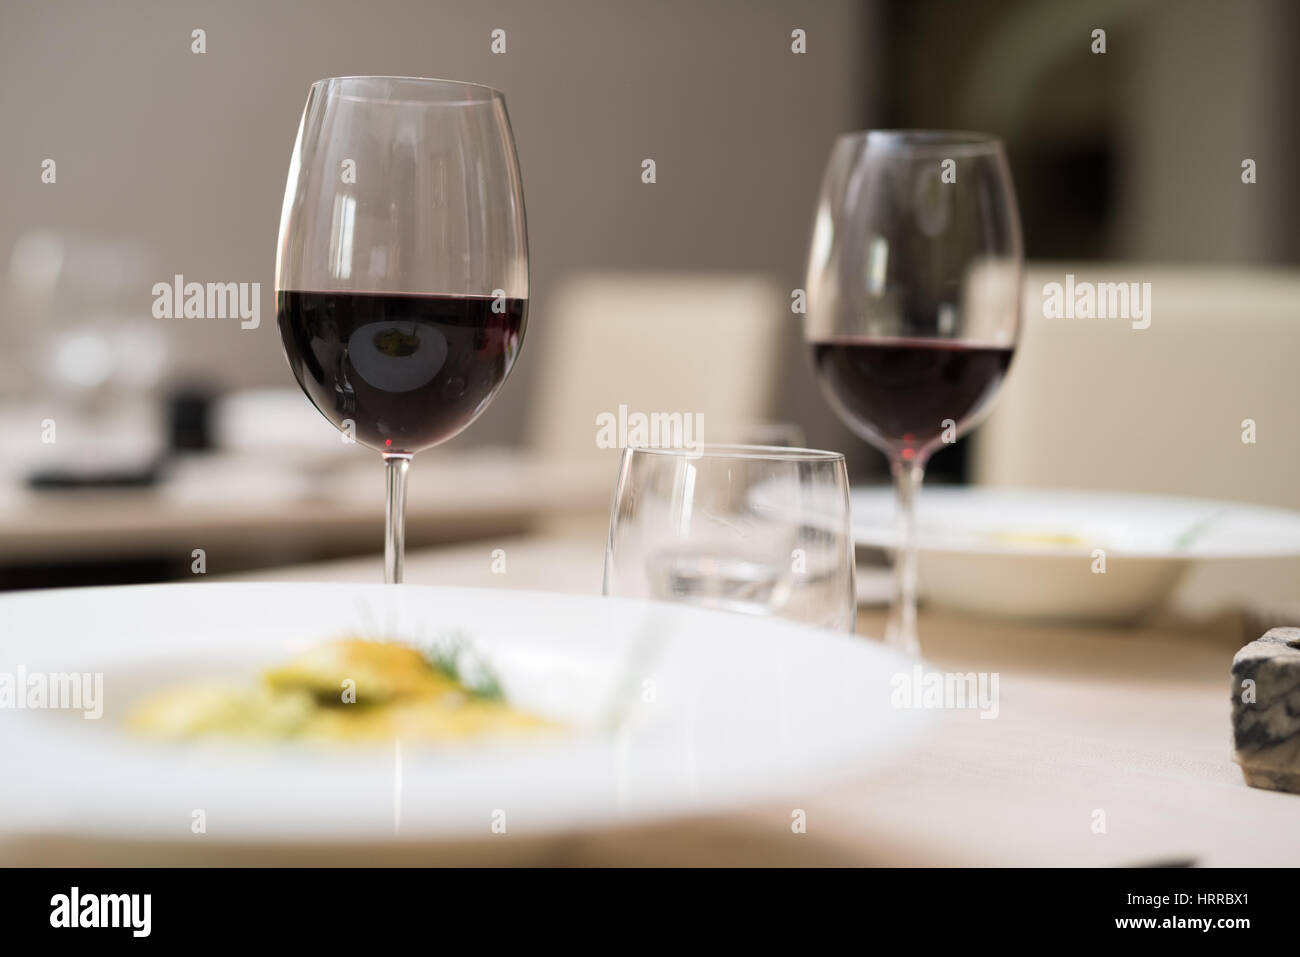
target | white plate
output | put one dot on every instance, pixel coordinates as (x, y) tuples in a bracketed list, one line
[(993, 549), (673, 710)]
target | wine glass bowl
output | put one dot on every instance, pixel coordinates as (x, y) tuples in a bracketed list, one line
[(400, 373), (402, 267), (914, 283)]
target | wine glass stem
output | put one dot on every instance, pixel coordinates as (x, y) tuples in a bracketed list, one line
[(395, 518), (901, 630)]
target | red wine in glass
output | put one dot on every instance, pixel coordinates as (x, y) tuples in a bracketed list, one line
[(899, 393), (408, 372), (401, 275), (914, 282)]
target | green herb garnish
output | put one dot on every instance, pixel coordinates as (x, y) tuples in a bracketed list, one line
[(453, 658)]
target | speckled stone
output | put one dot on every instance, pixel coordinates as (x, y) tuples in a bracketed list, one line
[(1266, 730)]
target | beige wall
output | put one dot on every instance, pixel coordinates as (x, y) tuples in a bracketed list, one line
[(1209, 85), (189, 152)]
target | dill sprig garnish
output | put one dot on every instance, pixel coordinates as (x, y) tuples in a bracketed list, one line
[(453, 658)]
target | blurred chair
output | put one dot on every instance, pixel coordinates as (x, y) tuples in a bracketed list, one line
[(1098, 404), (656, 343)]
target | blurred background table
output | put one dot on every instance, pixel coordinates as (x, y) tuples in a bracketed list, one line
[(248, 511), (1128, 727), (222, 501)]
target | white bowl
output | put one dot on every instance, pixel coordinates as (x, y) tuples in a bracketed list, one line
[(671, 711), (1056, 554)]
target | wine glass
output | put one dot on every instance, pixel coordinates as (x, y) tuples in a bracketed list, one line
[(402, 272), (914, 280), (760, 530)]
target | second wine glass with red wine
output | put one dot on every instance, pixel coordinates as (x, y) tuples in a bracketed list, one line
[(914, 282), (402, 272)]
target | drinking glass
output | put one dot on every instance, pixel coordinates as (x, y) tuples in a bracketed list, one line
[(914, 279), (402, 271), (759, 530)]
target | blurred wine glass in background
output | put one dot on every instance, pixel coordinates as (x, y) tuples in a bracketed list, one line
[(86, 355)]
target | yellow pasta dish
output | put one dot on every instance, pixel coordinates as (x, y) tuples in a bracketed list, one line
[(350, 690)]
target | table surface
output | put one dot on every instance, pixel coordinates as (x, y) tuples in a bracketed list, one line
[(222, 501), (1111, 746)]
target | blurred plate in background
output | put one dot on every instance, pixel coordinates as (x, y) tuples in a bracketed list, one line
[(1032, 552)]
